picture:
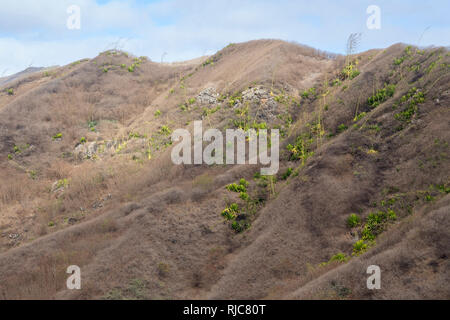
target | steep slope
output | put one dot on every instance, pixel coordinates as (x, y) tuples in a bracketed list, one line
[(382, 162), (372, 138)]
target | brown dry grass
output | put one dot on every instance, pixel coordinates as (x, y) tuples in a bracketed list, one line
[(163, 221)]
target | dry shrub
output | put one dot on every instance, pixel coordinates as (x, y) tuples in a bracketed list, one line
[(131, 179), (202, 186), (108, 225), (88, 181), (45, 278), (17, 188), (203, 181), (46, 270), (10, 192), (173, 195), (58, 170)]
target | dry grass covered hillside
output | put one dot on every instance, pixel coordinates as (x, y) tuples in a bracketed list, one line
[(364, 177)]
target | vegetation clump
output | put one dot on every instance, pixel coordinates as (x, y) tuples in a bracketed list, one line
[(57, 136), (239, 188), (165, 130), (301, 149), (381, 95), (376, 223), (91, 125), (350, 71), (287, 174), (406, 54), (230, 212), (341, 128), (359, 248), (353, 220), (413, 98), (234, 99), (310, 93)]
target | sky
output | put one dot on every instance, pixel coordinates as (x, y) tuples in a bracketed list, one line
[(43, 33)]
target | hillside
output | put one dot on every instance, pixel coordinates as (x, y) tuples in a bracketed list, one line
[(88, 179)]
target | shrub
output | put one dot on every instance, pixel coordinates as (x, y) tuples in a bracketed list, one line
[(230, 212), (339, 257), (33, 174), (239, 226), (91, 125), (244, 196), (353, 220), (381, 95), (157, 113), (57, 136), (359, 116), (367, 233), (287, 174), (399, 61), (415, 97), (350, 72), (301, 148), (243, 182), (10, 157), (10, 92), (209, 61), (311, 92), (359, 247), (62, 183), (165, 130), (234, 187), (83, 140), (406, 54), (375, 224), (236, 226), (235, 98), (392, 215), (336, 82), (341, 128), (443, 188)]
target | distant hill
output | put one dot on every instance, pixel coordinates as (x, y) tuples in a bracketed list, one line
[(15, 76)]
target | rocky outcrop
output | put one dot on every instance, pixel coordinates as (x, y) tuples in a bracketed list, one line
[(207, 96), (267, 107)]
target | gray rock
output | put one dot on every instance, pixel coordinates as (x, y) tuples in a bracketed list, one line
[(91, 149), (255, 94), (207, 96)]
